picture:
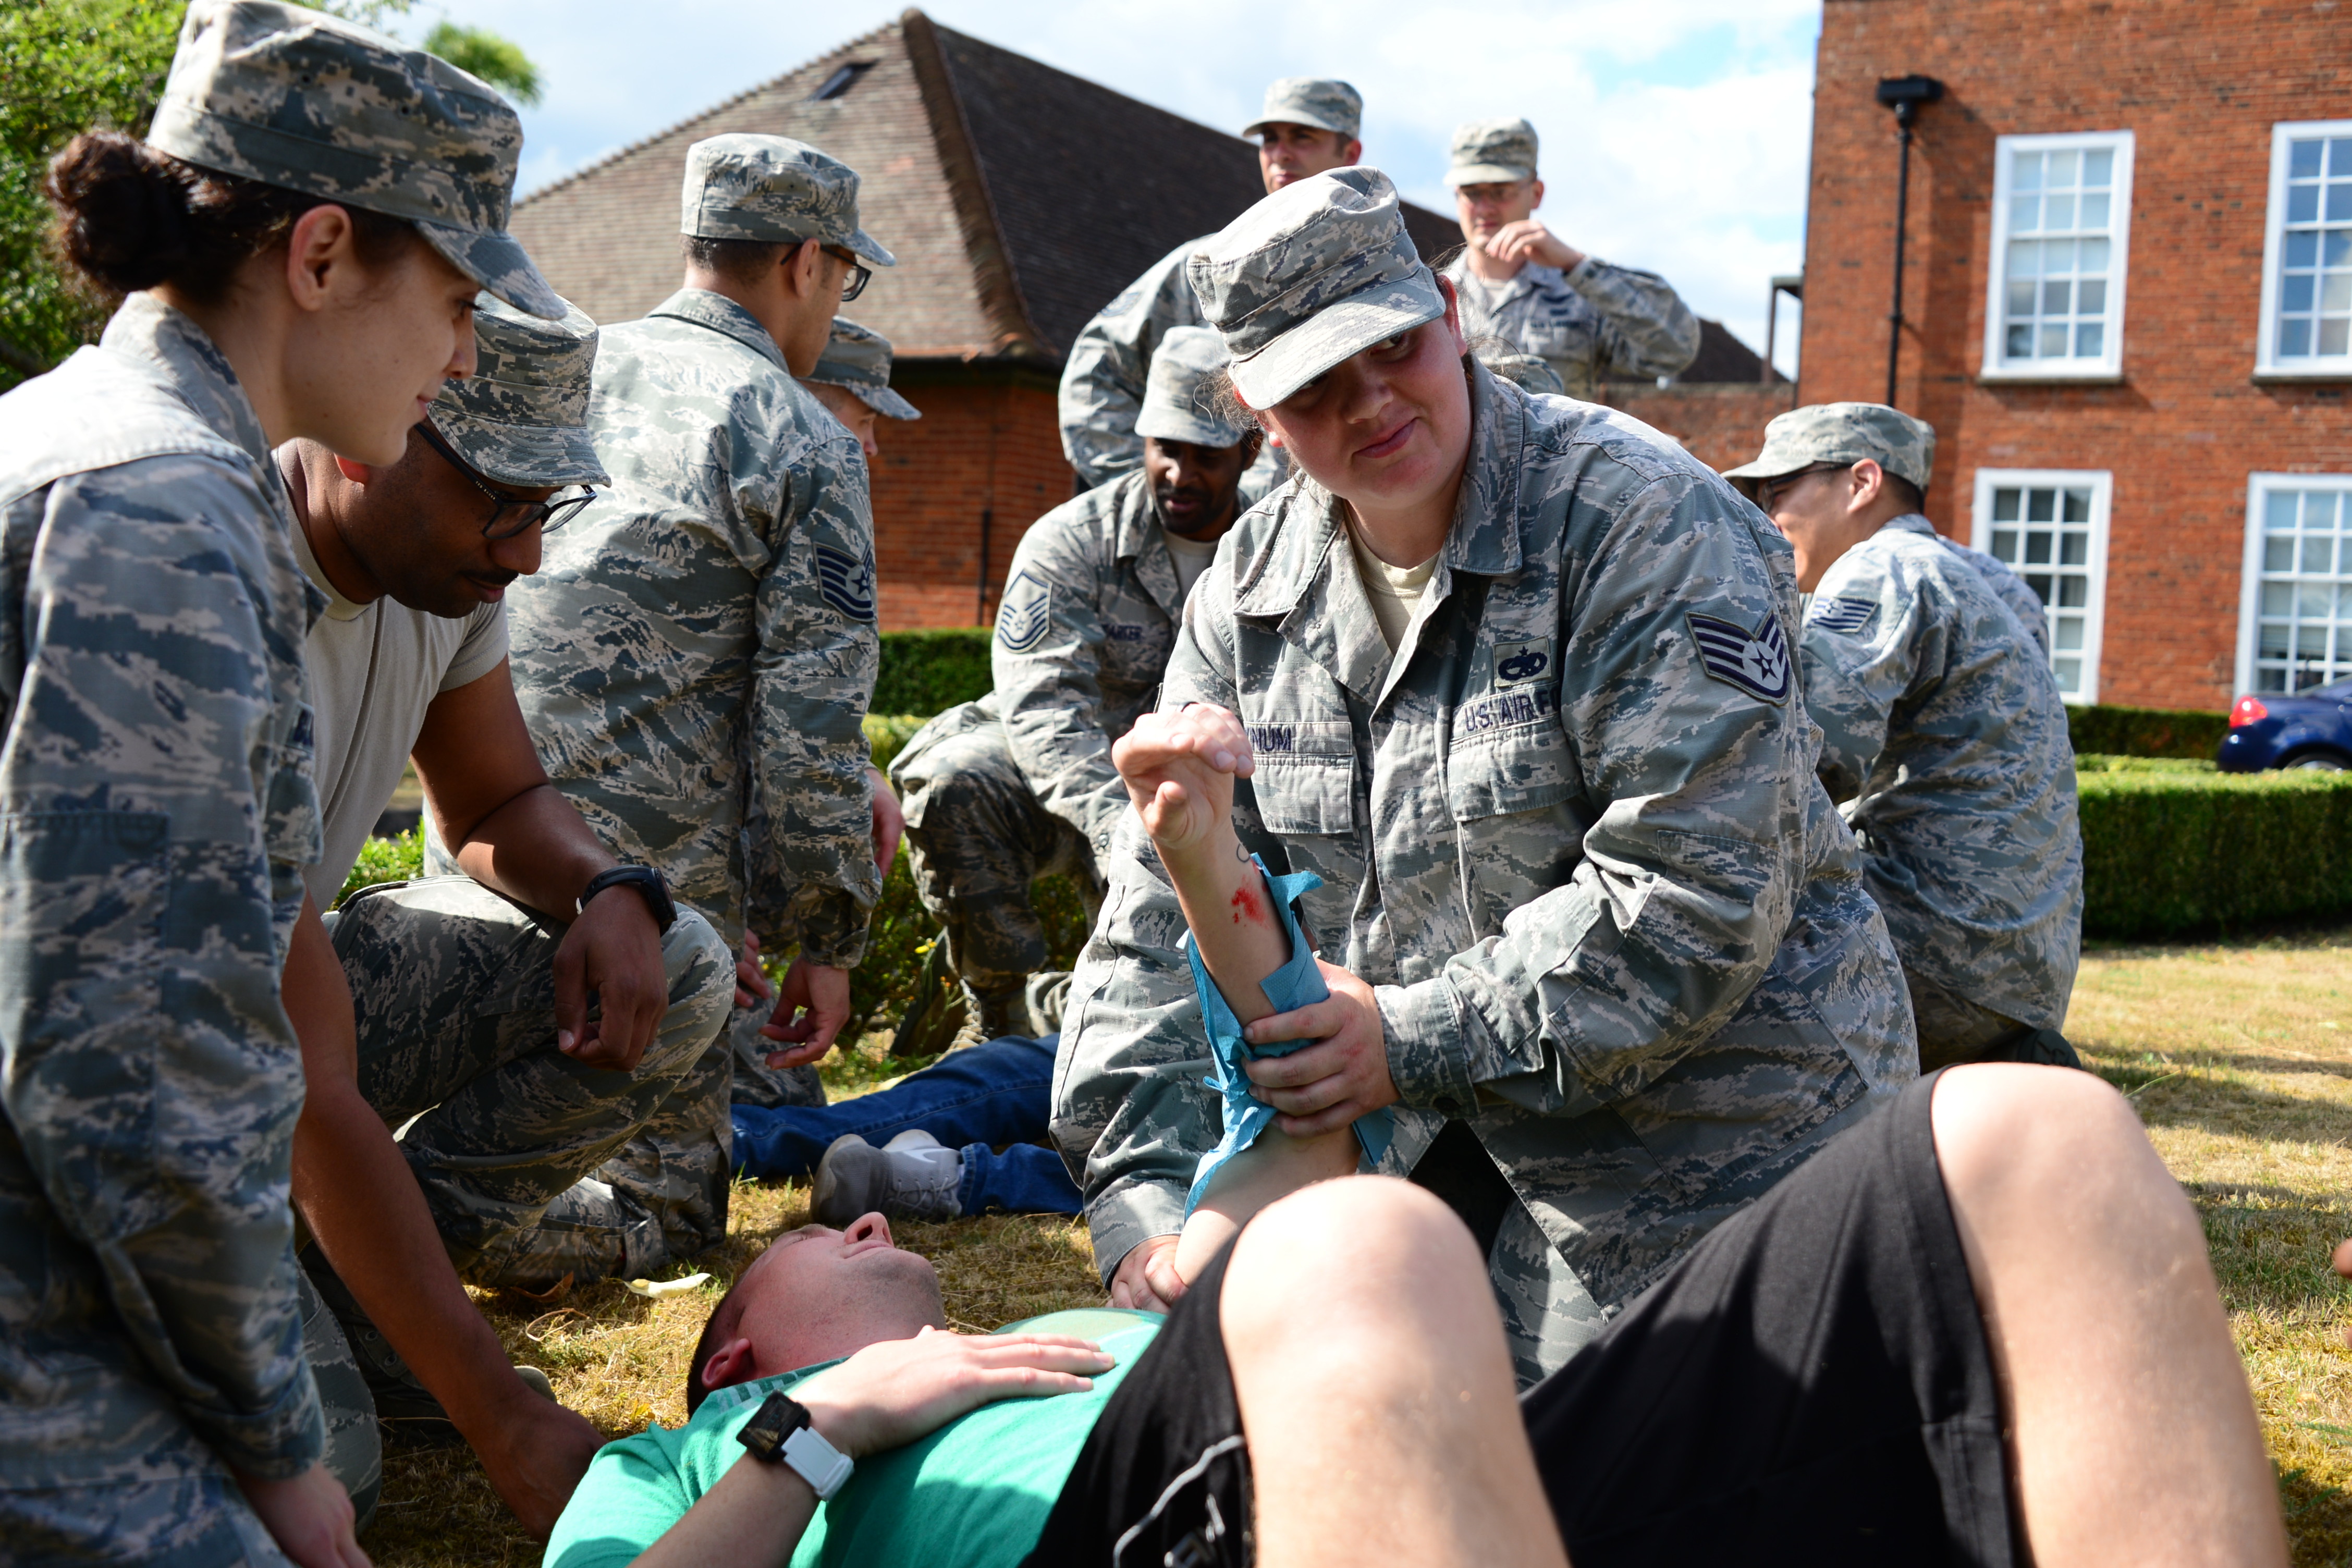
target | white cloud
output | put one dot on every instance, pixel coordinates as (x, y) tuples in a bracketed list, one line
[(1675, 131)]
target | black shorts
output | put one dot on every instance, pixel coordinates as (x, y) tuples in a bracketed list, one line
[(1811, 1384)]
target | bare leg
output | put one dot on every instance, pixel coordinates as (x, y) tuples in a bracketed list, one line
[(2132, 1437), (1275, 1166), (1374, 1387)]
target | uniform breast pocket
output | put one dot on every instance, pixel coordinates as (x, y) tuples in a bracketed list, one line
[(1513, 799), (1305, 778), (1134, 652)]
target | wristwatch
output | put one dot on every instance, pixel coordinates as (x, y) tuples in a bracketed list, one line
[(648, 880), (780, 1433)]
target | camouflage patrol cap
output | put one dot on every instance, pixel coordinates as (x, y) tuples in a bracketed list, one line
[(521, 418), (858, 359), (1318, 271), (1841, 433), (315, 104), (1311, 100), (1179, 397), (773, 189), (1492, 153), (1530, 373)]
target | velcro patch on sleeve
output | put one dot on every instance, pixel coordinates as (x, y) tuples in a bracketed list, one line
[(1846, 616), (1755, 661), (846, 582), (1028, 611)]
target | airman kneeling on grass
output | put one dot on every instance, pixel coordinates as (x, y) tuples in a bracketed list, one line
[(1943, 732)]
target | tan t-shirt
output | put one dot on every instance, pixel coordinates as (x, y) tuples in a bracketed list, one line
[(1192, 557), (374, 670), (1395, 591)]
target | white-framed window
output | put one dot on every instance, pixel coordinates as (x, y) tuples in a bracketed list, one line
[(2307, 252), (2061, 234), (2050, 527), (2294, 622)]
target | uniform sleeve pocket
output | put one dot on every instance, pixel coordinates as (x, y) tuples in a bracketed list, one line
[(291, 829)]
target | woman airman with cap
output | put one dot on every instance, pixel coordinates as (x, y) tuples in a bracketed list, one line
[(298, 241), (1511, 677)]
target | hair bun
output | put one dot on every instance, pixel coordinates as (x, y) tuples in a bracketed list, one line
[(122, 210)]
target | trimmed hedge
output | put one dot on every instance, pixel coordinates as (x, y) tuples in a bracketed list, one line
[(2171, 850), (930, 672), (2100, 729)]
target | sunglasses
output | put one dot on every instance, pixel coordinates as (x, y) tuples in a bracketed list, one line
[(1770, 490), (509, 516)]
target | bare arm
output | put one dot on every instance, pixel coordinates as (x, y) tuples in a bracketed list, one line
[(884, 1397), (512, 831), (356, 1192), (1180, 770)]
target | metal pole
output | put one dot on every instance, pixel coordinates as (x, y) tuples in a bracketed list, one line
[(1902, 208), (1771, 326)]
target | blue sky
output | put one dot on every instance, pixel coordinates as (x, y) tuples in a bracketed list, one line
[(1676, 132)]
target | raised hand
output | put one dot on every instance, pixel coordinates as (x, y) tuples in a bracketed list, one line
[(1179, 768)]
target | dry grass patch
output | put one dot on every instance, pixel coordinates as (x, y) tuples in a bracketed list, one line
[(2239, 1057)]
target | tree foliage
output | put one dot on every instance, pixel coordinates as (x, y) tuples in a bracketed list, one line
[(65, 67), (68, 66), (496, 60)]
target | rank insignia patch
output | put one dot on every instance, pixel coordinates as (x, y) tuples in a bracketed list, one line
[(1022, 620), (1847, 615), (1755, 661), (846, 581)]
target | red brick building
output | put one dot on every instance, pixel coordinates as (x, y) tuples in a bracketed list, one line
[(2125, 306), (1017, 198)]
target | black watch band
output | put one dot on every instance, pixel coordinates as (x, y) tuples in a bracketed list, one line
[(650, 884), (779, 1417)]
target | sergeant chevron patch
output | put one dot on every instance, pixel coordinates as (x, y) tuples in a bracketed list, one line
[(846, 581), (1757, 662), (1847, 615), (1025, 614)]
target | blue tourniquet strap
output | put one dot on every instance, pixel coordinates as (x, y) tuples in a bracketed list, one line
[(1296, 984)]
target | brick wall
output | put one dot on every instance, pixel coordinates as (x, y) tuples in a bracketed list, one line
[(1720, 423), (987, 442), (2200, 83)]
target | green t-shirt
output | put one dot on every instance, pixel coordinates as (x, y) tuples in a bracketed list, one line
[(973, 1494)]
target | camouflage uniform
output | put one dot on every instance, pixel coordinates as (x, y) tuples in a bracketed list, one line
[(1944, 733), (696, 654), (1020, 784), (1569, 829), (157, 804), (1585, 323), (1103, 379), (452, 985)]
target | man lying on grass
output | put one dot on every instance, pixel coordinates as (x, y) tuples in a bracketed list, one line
[(1902, 1353)]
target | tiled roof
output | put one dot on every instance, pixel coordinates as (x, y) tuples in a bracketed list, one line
[(1018, 198)]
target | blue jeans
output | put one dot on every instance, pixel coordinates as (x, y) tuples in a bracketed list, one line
[(972, 1101)]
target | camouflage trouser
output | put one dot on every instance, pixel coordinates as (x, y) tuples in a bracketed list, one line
[(178, 1505), (1954, 1030), (536, 1165), (354, 1446), (979, 836), (757, 1083)]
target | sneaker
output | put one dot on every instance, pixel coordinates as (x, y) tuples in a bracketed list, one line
[(911, 1177)]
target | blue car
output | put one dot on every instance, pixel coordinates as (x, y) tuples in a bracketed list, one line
[(2310, 728)]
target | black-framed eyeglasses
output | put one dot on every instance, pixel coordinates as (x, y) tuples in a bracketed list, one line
[(860, 275), (1778, 485), (509, 514)]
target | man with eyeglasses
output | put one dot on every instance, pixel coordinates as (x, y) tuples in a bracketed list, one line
[(696, 658), (1942, 733), (526, 1018), (1304, 126)]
